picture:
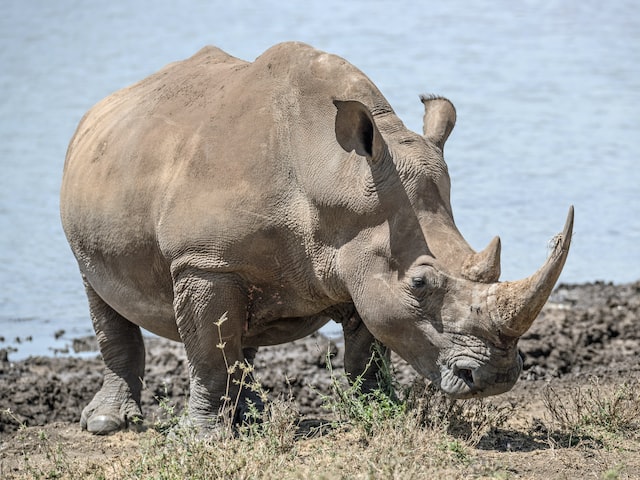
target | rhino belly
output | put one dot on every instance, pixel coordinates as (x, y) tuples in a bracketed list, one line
[(138, 293)]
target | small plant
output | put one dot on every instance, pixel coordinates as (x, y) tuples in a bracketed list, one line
[(241, 379), (276, 425), (468, 420), (56, 463), (8, 413), (594, 408), (457, 449), (169, 418), (365, 410), (613, 473)]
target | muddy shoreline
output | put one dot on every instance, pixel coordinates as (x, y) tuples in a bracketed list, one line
[(585, 330)]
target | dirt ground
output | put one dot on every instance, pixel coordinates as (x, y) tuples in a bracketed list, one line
[(585, 331)]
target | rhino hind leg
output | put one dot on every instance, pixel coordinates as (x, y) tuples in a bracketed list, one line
[(364, 356), (117, 404)]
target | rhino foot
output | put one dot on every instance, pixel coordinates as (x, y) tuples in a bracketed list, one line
[(102, 418), (103, 424), (203, 424)]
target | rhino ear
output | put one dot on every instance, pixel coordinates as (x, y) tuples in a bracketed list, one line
[(356, 130), (439, 118)]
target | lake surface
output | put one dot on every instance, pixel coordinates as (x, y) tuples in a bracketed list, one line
[(547, 95)]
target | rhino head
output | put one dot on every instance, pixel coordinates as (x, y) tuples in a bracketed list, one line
[(418, 286)]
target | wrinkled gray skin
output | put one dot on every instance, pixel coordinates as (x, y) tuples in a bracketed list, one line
[(282, 192)]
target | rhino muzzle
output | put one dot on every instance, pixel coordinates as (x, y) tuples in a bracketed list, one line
[(462, 380)]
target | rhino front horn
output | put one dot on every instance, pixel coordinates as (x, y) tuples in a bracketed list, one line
[(515, 305)]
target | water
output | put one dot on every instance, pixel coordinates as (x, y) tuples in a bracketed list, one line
[(547, 94)]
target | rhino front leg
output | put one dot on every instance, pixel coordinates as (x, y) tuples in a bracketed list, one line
[(117, 403), (363, 355), (210, 311)]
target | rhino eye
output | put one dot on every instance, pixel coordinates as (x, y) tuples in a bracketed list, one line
[(418, 282)]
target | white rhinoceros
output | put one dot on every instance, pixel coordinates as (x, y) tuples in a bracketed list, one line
[(282, 193)]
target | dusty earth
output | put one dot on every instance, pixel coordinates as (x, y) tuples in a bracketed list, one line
[(584, 331)]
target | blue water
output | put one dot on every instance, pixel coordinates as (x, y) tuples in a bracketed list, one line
[(547, 94)]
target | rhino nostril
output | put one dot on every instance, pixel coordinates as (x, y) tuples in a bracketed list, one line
[(466, 375)]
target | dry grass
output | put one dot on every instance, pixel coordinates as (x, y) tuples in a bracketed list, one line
[(594, 411), (431, 437), (587, 431)]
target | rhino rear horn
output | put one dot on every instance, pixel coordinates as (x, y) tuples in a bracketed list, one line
[(515, 305), (484, 266)]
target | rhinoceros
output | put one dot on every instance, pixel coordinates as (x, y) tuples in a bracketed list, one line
[(278, 195)]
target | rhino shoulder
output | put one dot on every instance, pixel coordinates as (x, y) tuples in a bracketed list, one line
[(292, 58)]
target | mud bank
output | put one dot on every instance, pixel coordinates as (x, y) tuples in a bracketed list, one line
[(584, 330)]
